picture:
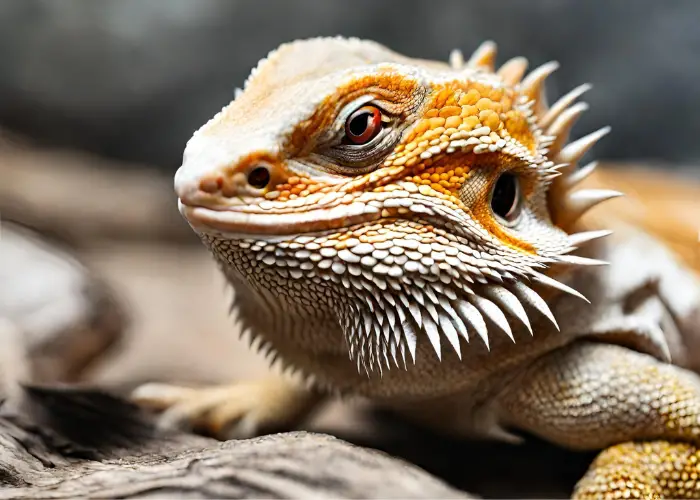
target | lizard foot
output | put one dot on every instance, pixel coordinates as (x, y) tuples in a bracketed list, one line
[(653, 470), (234, 411)]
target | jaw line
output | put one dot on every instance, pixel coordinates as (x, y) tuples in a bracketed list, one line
[(268, 226)]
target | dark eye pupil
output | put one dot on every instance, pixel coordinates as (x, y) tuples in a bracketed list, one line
[(504, 201), (259, 177), (363, 125), (360, 122)]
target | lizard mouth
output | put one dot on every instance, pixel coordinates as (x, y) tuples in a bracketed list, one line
[(240, 224)]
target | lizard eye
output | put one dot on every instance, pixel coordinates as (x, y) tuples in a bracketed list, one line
[(363, 125), (505, 198)]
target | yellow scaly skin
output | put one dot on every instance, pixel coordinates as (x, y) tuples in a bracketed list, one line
[(429, 265)]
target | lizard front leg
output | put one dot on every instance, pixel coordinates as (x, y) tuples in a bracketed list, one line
[(653, 469), (238, 410), (593, 396)]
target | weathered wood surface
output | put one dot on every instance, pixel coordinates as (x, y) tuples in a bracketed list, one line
[(91, 446)]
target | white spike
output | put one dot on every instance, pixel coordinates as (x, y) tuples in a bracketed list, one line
[(456, 320), (575, 260), (513, 70), (578, 239), (472, 316), (433, 335), (367, 318), (562, 103), (402, 350), (573, 152), (411, 339), (393, 350), (449, 330), (533, 86), (575, 177), (559, 167), (386, 329), (545, 280), (237, 92), (561, 128), (456, 59), (428, 290), (550, 176), (385, 355), (508, 301), (532, 298), (432, 311), (579, 202), (493, 312), (415, 312), (484, 55)]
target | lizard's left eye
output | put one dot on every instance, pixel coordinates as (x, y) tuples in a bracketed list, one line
[(363, 125)]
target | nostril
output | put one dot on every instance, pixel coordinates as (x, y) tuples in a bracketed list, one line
[(211, 184), (259, 177)]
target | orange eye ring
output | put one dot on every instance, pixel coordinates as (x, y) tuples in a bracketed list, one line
[(363, 125)]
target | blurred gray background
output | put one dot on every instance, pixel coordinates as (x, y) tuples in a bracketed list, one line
[(132, 79)]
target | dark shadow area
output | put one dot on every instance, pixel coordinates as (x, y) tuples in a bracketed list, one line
[(534, 469)]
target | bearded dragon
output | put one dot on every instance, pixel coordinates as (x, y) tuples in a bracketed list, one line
[(413, 232)]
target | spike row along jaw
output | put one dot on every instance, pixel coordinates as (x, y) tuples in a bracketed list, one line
[(383, 323), (379, 337)]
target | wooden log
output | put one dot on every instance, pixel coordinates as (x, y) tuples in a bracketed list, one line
[(82, 444)]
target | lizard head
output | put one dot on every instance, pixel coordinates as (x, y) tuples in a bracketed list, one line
[(398, 198)]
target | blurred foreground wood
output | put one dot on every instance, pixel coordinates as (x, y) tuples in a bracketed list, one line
[(57, 448)]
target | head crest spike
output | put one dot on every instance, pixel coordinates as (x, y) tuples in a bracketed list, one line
[(562, 104), (578, 239), (533, 86), (513, 70), (575, 260), (561, 128), (575, 204), (484, 55), (573, 152), (456, 59), (576, 176)]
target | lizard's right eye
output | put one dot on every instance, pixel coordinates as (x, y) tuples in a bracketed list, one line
[(506, 198), (363, 125)]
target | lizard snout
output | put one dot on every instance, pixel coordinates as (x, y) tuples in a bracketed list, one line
[(249, 179)]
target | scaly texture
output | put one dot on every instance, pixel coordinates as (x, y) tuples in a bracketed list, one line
[(406, 230)]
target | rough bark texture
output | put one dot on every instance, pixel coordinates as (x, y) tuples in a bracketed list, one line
[(58, 448)]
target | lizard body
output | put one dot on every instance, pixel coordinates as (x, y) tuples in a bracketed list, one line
[(411, 231)]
